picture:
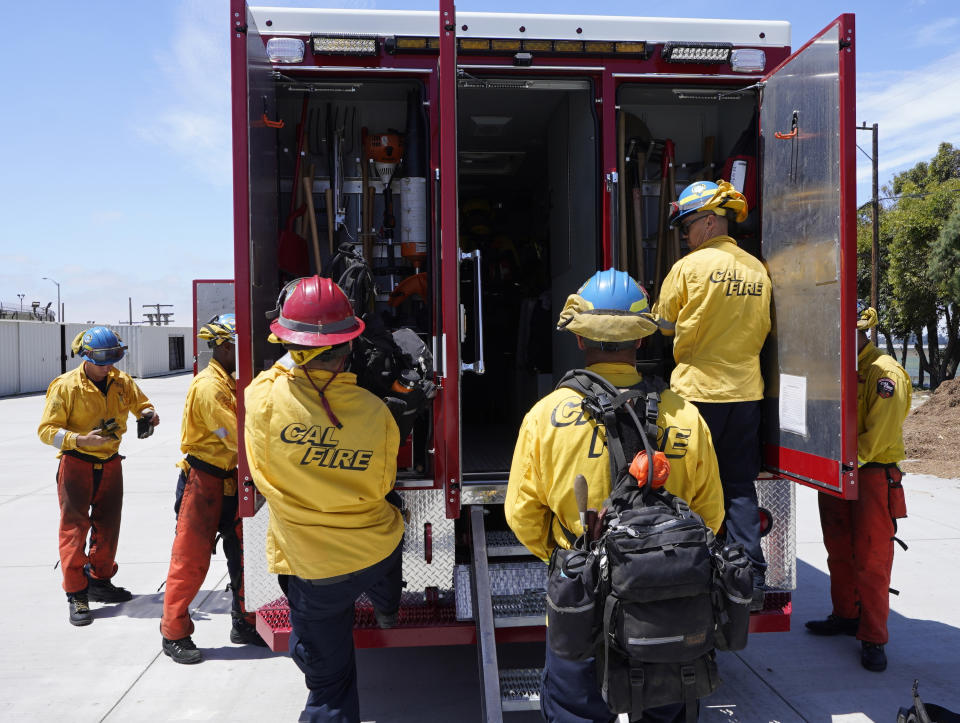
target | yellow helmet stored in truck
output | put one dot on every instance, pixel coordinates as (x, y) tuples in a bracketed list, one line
[(719, 197)]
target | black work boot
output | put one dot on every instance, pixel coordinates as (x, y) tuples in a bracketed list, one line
[(872, 656), (182, 651), (243, 633), (833, 625), (104, 590), (79, 609), (386, 620), (759, 589)]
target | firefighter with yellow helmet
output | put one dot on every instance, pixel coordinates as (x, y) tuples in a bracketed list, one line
[(323, 452), (858, 534), (715, 302), (84, 418), (609, 316), (206, 502)]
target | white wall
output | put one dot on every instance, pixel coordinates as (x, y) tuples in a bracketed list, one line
[(30, 352)]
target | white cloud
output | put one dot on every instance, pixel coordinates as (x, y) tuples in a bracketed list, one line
[(194, 121), (937, 33), (915, 110)]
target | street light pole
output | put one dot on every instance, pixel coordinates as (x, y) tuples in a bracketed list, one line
[(46, 278), (20, 296)]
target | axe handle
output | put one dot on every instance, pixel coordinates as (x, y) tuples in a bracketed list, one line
[(312, 218)]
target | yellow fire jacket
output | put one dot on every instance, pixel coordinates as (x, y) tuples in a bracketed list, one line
[(209, 427), (716, 301), (884, 393), (75, 406), (325, 486), (557, 442)]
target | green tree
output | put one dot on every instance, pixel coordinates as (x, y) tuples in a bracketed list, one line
[(922, 298)]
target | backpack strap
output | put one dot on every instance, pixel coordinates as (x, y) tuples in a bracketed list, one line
[(601, 400), (688, 676)]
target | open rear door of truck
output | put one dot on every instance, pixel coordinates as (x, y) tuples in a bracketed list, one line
[(807, 129), (254, 205)]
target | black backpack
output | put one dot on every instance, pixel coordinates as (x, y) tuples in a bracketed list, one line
[(651, 598)]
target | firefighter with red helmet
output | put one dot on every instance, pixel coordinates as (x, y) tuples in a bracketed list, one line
[(859, 534), (715, 302), (323, 452), (207, 497), (610, 316), (84, 417)]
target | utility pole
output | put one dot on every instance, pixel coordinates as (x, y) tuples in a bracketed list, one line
[(158, 318), (875, 207), (47, 278)]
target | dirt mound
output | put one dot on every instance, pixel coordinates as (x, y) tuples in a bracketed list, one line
[(930, 433)]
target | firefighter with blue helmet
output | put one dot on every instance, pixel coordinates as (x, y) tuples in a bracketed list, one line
[(610, 316), (207, 497), (715, 303), (84, 418), (859, 534)]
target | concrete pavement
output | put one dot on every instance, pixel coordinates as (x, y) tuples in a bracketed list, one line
[(113, 670)]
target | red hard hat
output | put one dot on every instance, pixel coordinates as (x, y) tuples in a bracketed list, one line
[(314, 311)]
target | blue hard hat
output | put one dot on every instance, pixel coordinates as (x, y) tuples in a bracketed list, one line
[(616, 291), (99, 345), (708, 196)]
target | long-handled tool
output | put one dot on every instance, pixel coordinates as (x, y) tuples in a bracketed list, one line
[(312, 218), (622, 188), (580, 492)]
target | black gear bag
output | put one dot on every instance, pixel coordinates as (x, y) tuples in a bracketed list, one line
[(652, 598)]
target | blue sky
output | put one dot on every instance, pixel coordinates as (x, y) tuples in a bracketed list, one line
[(116, 177)]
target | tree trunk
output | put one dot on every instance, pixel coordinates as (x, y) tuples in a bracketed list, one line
[(906, 349), (933, 345), (921, 357), (889, 339), (951, 354)]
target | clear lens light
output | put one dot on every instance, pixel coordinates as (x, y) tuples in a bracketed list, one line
[(748, 60), (285, 50)]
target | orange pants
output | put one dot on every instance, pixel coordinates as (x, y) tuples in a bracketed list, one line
[(858, 535), (204, 510), (91, 497)]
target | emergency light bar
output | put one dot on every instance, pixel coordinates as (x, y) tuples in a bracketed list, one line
[(700, 53), (344, 44), (484, 46), (285, 50)]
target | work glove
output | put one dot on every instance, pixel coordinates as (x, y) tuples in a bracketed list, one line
[(145, 425), (406, 407), (107, 428)]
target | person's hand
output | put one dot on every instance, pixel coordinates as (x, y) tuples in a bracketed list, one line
[(146, 423), (91, 440)]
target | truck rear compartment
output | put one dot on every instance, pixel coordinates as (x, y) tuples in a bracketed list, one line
[(530, 194)]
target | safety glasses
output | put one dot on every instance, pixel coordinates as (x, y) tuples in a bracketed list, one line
[(685, 225), (105, 356)]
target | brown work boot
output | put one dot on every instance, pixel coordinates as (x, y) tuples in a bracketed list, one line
[(834, 625)]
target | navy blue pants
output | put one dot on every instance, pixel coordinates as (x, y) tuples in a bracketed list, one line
[(569, 693), (735, 428), (321, 643)]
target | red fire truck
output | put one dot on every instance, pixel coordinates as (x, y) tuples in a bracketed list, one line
[(485, 165)]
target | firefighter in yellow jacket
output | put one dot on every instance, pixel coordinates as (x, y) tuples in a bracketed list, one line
[(608, 315), (207, 497), (715, 302), (323, 452), (858, 534), (85, 417)]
